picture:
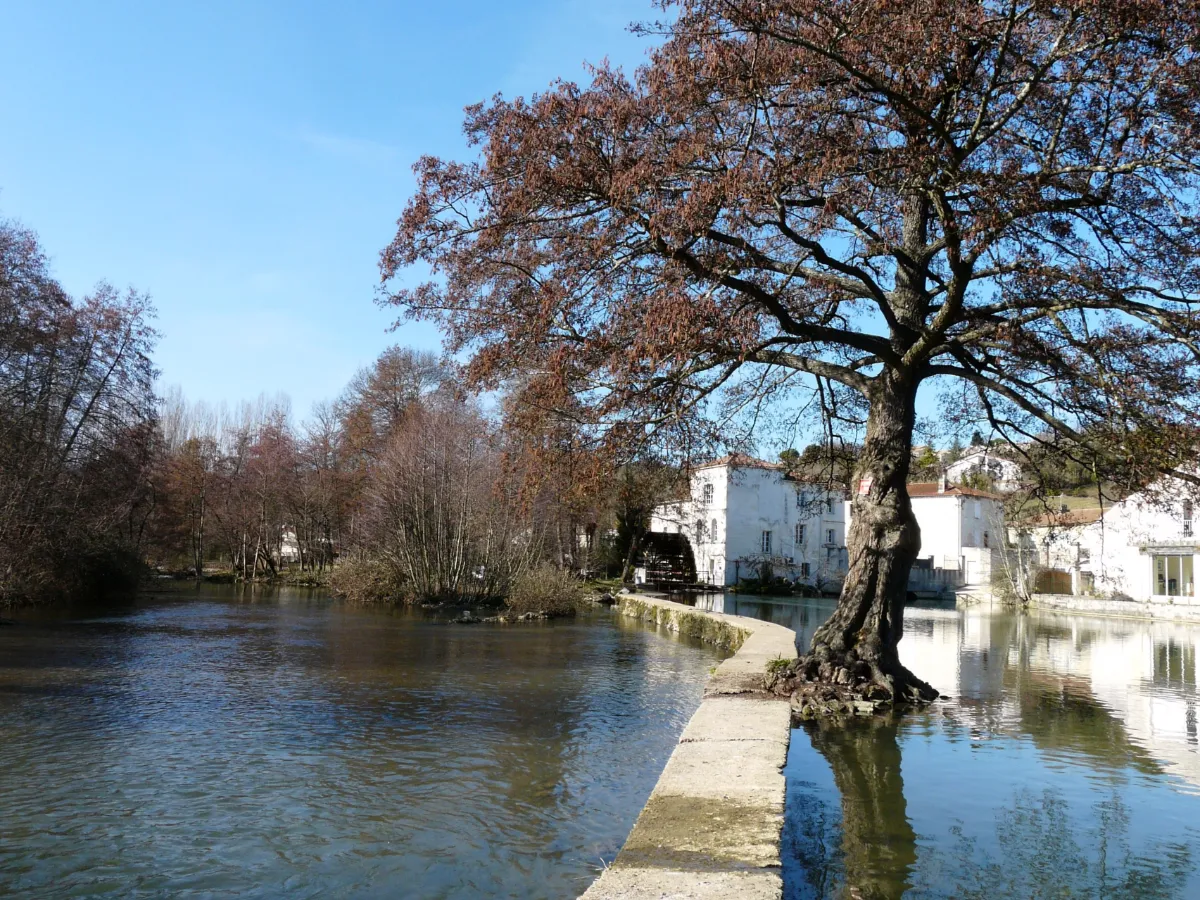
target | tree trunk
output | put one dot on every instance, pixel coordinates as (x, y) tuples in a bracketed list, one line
[(628, 567), (858, 645), (199, 560)]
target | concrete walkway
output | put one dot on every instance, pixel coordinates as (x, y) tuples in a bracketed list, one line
[(711, 827)]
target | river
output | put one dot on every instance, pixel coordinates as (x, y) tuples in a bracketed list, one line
[(222, 743), (1065, 763)]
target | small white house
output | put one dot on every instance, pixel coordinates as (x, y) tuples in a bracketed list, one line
[(1005, 475), (744, 513), (1144, 547), (289, 546)]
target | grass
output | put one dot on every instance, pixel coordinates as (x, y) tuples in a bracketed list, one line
[(778, 665), (600, 585)]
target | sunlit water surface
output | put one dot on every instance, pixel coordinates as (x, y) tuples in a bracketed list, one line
[(1065, 764), (221, 745)]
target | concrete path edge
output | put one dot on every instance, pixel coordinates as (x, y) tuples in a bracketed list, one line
[(712, 825)]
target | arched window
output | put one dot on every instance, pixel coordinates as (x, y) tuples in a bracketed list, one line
[(699, 531), (712, 534)]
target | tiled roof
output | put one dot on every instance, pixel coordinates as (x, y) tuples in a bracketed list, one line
[(740, 461), (930, 489)]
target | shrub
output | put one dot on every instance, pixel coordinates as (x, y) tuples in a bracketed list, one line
[(546, 589), (366, 580)]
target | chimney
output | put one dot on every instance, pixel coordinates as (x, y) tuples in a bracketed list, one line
[(942, 482)]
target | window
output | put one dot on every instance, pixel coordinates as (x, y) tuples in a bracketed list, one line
[(801, 499), (830, 536), (766, 542), (829, 504), (978, 508), (805, 570), (799, 533), (986, 540), (1173, 576), (708, 493), (699, 531), (712, 532), (1188, 511)]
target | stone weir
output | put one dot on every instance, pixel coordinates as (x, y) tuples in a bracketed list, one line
[(712, 825)]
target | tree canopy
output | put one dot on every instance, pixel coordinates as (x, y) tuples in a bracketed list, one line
[(1002, 192)]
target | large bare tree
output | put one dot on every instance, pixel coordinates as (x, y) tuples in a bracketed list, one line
[(869, 195)]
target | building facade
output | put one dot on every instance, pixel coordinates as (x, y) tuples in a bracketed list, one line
[(1004, 474), (745, 515), (1143, 548)]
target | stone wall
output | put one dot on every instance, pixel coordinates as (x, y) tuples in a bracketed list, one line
[(711, 827), (1130, 608)]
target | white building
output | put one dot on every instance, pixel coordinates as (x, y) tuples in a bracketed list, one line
[(744, 514), (1143, 548), (961, 530), (1004, 474)]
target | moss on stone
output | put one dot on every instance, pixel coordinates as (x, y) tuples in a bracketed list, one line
[(689, 623)]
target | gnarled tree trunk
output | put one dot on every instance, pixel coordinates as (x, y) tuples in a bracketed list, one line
[(857, 647)]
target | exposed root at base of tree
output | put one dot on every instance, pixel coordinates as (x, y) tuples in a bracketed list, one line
[(823, 684)]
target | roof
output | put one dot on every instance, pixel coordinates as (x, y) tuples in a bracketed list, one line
[(740, 461), (930, 489), (1071, 517)]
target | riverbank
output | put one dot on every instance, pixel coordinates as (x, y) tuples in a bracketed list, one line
[(712, 825), (1125, 609)]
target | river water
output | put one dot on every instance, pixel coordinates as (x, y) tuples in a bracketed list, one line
[(260, 745), (1064, 764)]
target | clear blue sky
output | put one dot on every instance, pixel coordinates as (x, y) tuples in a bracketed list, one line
[(244, 162)]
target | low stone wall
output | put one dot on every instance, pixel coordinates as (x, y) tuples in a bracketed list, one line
[(1177, 612), (711, 827)]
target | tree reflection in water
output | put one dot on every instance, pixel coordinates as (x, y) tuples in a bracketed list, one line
[(872, 853), (1036, 848)]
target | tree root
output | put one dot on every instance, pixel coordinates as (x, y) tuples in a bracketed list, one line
[(827, 684)]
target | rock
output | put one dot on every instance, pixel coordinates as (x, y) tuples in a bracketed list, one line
[(465, 618), (607, 598)]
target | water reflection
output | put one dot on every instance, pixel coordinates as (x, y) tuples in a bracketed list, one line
[(876, 845), (260, 745), (1064, 764)]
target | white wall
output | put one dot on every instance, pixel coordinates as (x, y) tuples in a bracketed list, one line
[(954, 530), (1117, 551), (746, 501), (1005, 474)]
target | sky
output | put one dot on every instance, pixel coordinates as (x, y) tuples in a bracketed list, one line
[(245, 162)]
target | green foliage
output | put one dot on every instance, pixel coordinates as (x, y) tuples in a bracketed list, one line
[(955, 452), (778, 665), (547, 589), (978, 480)]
